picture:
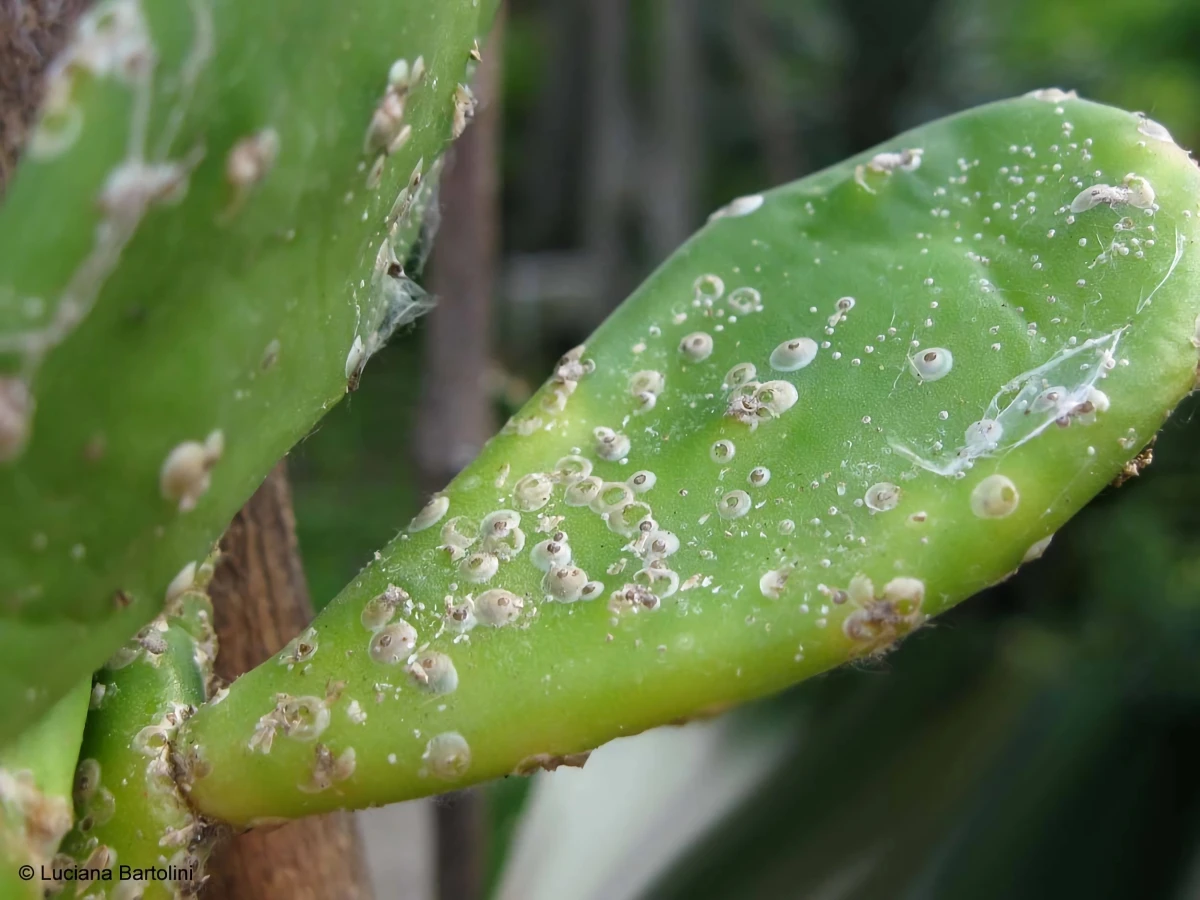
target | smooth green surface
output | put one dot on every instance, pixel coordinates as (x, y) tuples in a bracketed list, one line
[(149, 298), (36, 772), (975, 251)]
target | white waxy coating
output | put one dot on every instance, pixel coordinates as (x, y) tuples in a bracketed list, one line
[(741, 206), (734, 505), (793, 355), (1154, 130), (742, 373), (532, 492), (647, 381), (355, 358), (547, 554), (431, 513), (1052, 95), (1036, 549), (745, 300), (772, 583), (565, 583), (498, 607), (610, 445), (378, 611), (187, 471), (434, 673), (1134, 190), (932, 364), (722, 451), (709, 287), (583, 492), (995, 497), (447, 756), (882, 496), (479, 567), (697, 346), (393, 643), (776, 396), (642, 481), (571, 469)]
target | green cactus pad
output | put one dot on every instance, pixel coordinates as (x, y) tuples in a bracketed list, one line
[(129, 811), (200, 251), (844, 406)]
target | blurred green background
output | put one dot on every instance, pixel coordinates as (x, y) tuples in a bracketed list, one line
[(1035, 742)]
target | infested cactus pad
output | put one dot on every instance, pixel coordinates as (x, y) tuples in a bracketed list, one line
[(844, 406), (202, 248)]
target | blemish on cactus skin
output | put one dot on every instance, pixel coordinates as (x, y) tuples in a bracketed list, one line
[(479, 567), (300, 718), (393, 643), (387, 131), (610, 445), (697, 346), (356, 359), (564, 583), (878, 622), (739, 375), (1052, 95), (549, 762), (642, 481), (932, 364), (1036, 549), (645, 386), (249, 161), (995, 497), (741, 206), (793, 355), (1154, 130), (532, 492), (46, 819), (547, 554), (882, 497), (16, 411), (447, 756), (722, 451), (1025, 407), (464, 110), (498, 608), (886, 163), (431, 513), (734, 505), (633, 599), (772, 583), (327, 770), (186, 473), (745, 300), (1134, 191), (380, 609), (459, 615), (840, 310), (434, 673), (300, 649)]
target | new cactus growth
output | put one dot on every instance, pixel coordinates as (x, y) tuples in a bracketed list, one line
[(844, 406), (202, 248)]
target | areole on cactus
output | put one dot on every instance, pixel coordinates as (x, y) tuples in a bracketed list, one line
[(844, 406)]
